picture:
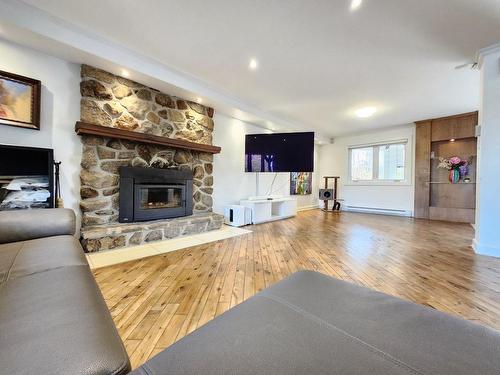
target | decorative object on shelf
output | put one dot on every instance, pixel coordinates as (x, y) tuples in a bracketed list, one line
[(464, 170), (19, 101), (454, 176), (300, 183), (458, 168)]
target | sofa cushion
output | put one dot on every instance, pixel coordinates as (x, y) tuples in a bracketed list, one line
[(314, 324), (22, 225), (23, 258), (56, 322)]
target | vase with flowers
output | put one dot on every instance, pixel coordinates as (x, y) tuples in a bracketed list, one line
[(458, 168)]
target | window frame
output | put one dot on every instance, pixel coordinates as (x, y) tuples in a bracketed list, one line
[(376, 181)]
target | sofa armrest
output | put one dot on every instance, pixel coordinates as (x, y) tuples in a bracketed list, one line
[(25, 225)]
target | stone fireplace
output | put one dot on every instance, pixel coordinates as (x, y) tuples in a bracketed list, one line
[(115, 102)]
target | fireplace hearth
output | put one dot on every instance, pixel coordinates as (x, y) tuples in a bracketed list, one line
[(152, 194)]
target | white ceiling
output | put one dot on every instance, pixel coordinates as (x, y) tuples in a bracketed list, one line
[(318, 61)]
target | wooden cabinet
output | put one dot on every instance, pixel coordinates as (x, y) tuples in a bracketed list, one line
[(435, 197), (453, 127)]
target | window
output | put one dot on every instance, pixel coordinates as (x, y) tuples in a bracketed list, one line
[(378, 162), (391, 162), (362, 164)]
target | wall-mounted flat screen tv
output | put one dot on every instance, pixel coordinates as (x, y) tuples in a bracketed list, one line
[(279, 152)]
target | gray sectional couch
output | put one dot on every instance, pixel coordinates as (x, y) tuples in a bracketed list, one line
[(53, 320), (310, 323)]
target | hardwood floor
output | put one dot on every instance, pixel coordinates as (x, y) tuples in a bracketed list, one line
[(156, 301)]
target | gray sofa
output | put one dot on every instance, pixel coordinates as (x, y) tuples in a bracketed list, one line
[(314, 324), (53, 319)]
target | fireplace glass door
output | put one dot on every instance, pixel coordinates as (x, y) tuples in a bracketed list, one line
[(155, 201)]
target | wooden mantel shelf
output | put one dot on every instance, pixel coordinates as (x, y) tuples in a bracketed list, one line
[(83, 128)]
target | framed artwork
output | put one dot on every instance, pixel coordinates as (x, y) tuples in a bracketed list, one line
[(300, 183), (19, 101)]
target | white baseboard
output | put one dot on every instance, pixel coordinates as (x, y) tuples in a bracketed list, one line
[(483, 249), (307, 208)]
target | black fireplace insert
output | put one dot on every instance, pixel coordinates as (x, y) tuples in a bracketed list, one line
[(151, 194)]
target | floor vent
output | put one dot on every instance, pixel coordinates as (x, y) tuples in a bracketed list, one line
[(381, 211)]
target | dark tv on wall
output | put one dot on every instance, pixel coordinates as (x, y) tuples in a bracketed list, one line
[(279, 152)]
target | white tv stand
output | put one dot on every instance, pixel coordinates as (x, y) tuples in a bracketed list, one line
[(270, 209)]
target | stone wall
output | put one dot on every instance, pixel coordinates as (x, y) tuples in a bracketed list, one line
[(117, 102), (113, 101)]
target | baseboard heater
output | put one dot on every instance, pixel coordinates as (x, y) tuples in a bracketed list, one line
[(380, 211)]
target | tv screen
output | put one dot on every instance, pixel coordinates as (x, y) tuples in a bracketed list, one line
[(279, 152)]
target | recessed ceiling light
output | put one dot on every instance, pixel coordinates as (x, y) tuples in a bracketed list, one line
[(253, 64), (365, 112), (198, 100), (355, 4), (452, 140), (125, 73)]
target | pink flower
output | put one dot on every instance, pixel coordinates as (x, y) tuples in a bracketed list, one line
[(455, 160)]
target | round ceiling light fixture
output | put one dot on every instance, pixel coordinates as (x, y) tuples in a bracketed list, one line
[(253, 64), (356, 4), (365, 112)]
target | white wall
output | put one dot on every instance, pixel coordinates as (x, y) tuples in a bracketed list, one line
[(60, 109), (232, 183), (487, 239), (334, 162)]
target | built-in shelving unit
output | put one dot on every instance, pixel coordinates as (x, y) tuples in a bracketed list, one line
[(435, 197)]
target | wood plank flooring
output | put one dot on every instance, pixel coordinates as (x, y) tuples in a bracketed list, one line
[(156, 301)]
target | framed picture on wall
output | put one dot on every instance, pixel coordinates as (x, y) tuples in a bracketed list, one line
[(300, 183), (19, 101)]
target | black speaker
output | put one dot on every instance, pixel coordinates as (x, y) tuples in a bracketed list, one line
[(326, 194)]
